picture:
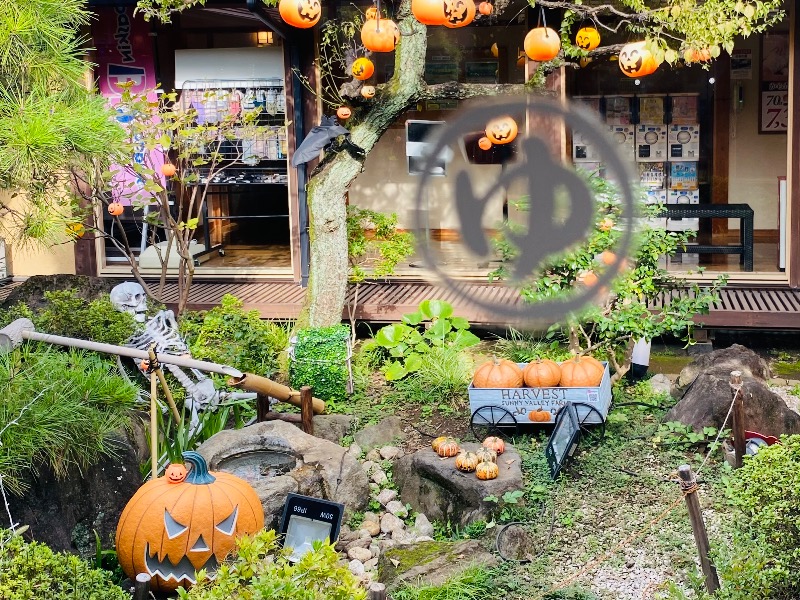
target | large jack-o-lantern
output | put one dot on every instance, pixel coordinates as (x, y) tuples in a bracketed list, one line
[(635, 60), (300, 13), (502, 130), (458, 13), (429, 12), (173, 527)]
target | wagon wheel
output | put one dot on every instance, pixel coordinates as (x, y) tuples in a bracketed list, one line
[(492, 420), (591, 432)]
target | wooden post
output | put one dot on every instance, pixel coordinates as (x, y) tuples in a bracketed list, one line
[(153, 425), (689, 489), (262, 407), (141, 588), (307, 409), (739, 441), (377, 591)]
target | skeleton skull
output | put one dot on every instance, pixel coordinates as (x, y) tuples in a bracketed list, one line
[(129, 297)]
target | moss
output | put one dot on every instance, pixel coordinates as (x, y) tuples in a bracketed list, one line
[(409, 557)]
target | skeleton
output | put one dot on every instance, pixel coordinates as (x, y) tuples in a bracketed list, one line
[(129, 297)]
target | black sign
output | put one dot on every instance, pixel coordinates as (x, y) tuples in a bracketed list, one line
[(306, 520), (563, 440)]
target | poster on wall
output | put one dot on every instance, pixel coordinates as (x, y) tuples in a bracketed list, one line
[(742, 63), (774, 84)]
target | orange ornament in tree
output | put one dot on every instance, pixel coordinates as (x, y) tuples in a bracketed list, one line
[(168, 169), (171, 529), (542, 373), (502, 130), (485, 8), (485, 143), (343, 112), (429, 12), (498, 373), (372, 13), (458, 13), (542, 44), (368, 91), (582, 371), (300, 13), (588, 38), (362, 68), (635, 60), (380, 35), (115, 209)]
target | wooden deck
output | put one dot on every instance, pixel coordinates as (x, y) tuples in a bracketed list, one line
[(738, 308)]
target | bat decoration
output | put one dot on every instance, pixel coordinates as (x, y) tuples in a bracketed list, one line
[(319, 137)]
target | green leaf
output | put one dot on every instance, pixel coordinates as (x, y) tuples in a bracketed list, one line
[(434, 309), (440, 329), (413, 362), (390, 336), (464, 339), (460, 323), (394, 371), (414, 318)]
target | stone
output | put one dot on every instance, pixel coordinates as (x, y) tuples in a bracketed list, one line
[(332, 427), (375, 549), (425, 538), (397, 508), (430, 563), (722, 362), (386, 496), (354, 450), (373, 527), (379, 477), (422, 525), (32, 290), (361, 542), (390, 523), (700, 348), (390, 452), (707, 401), (660, 384), (320, 468), (435, 487), (369, 466), (359, 554), (356, 567), (371, 564), (364, 533), (373, 455), (371, 516), (381, 434), (374, 488), (403, 536)]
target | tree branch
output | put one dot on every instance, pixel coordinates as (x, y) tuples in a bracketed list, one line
[(461, 91)]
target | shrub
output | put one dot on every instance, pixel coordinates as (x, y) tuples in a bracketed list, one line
[(320, 360), (261, 570), (32, 571), (442, 378)]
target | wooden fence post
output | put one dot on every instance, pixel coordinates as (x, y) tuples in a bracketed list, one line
[(377, 591), (262, 407), (307, 409), (689, 489), (739, 441), (141, 588)]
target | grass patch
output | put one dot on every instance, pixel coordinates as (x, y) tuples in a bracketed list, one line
[(474, 583)]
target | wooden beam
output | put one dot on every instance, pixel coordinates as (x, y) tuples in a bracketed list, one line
[(793, 179), (721, 144)]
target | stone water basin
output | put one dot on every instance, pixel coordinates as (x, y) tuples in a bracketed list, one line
[(258, 465)]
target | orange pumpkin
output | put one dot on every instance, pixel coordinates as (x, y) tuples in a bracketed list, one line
[(587, 38), (168, 169), (458, 13), (439, 441), (466, 461), (175, 472), (498, 373), (371, 13), (588, 278), (487, 470), (300, 13), (494, 443), (380, 35), (368, 91), (344, 112), (607, 257), (485, 8), (582, 371), (542, 44), (448, 448), (429, 12), (362, 68), (76, 230), (115, 209), (502, 130), (484, 143), (635, 60), (170, 530), (541, 373), (486, 455), (540, 416)]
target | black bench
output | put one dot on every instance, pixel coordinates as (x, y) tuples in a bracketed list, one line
[(719, 211)]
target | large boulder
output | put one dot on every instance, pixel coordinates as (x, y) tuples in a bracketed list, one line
[(722, 362), (332, 427), (277, 458), (434, 486), (388, 431), (31, 292)]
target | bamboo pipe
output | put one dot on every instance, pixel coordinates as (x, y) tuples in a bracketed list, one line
[(267, 387)]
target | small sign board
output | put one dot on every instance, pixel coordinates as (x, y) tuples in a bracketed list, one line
[(564, 439), (307, 520)]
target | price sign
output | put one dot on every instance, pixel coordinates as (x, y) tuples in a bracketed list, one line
[(774, 111), (774, 84)]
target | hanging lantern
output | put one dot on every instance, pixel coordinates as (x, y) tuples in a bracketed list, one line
[(485, 8), (485, 143), (362, 68), (635, 60), (300, 13), (368, 91), (380, 35), (429, 12), (588, 38), (458, 13), (115, 209), (542, 44), (502, 130), (372, 13)]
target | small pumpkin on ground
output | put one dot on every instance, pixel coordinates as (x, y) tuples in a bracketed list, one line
[(448, 448), (498, 373), (542, 372), (487, 470), (486, 455), (494, 443), (581, 371), (467, 462), (439, 441)]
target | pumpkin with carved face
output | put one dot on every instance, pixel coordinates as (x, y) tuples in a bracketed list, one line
[(588, 38), (171, 529), (502, 130), (362, 68), (371, 13), (344, 112), (380, 35), (458, 13), (635, 60), (368, 91), (428, 12), (300, 13)]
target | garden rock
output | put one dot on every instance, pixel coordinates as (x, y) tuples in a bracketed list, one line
[(386, 496), (356, 567), (373, 527), (32, 290), (397, 508), (354, 450), (321, 468), (379, 477), (332, 427), (430, 563), (422, 525), (660, 384), (371, 564), (382, 434), (390, 523), (708, 399), (434, 486), (390, 452), (369, 466), (373, 455), (360, 554), (722, 362)]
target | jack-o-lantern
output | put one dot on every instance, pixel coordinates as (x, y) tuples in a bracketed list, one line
[(458, 13), (115, 209), (380, 35), (300, 13), (368, 91), (502, 130), (485, 143), (344, 112), (362, 68), (171, 530), (371, 13), (485, 8), (176, 472), (542, 44), (635, 60), (587, 38), (429, 12)]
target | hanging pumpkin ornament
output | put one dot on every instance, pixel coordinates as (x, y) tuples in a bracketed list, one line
[(485, 143), (542, 44), (372, 13), (588, 38), (584, 61), (502, 130), (344, 112), (115, 209), (363, 68), (458, 13), (300, 13), (429, 12), (368, 91), (635, 60), (173, 526), (168, 169), (485, 8), (380, 35)]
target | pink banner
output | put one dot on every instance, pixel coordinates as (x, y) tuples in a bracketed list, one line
[(125, 54)]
